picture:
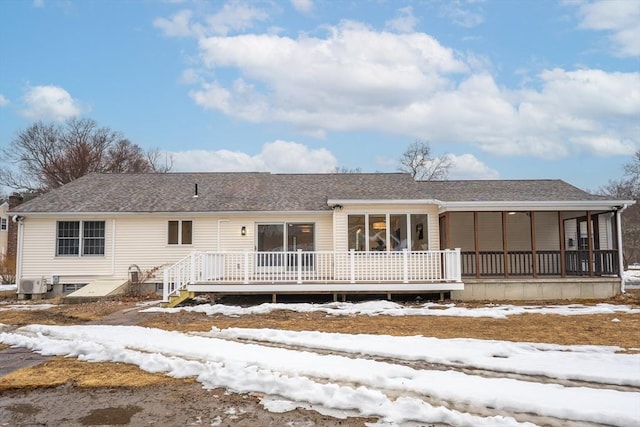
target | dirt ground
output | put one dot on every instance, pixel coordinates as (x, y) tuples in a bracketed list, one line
[(66, 392)]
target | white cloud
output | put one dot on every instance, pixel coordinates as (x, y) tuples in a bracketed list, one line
[(278, 157), (49, 103), (3, 101), (463, 13), (303, 6), (38, 3), (467, 166), (235, 16), (405, 22), (344, 80), (179, 25), (356, 78), (620, 17)]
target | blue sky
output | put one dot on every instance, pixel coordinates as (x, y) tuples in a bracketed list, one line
[(510, 89)]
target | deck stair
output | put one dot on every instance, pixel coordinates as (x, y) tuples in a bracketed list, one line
[(177, 299)]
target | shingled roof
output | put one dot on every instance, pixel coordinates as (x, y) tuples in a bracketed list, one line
[(538, 190), (218, 192), (266, 192)]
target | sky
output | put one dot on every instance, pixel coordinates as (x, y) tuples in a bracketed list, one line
[(509, 89), (391, 378)]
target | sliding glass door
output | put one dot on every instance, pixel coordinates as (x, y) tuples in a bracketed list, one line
[(274, 239)]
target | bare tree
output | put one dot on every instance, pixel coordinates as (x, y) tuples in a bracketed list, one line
[(47, 156), (417, 161), (628, 188)]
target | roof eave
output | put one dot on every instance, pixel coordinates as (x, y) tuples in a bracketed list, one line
[(347, 202), (532, 205), (172, 213)]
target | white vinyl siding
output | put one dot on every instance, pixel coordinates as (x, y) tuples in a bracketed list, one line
[(141, 240)]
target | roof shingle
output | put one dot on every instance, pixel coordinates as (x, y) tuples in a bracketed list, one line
[(266, 192)]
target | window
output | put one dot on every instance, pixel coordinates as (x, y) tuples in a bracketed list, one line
[(74, 235), (180, 232), (387, 232), (4, 224), (357, 236), (93, 238)]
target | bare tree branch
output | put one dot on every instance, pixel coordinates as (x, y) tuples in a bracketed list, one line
[(417, 161), (47, 156), (628, 188)]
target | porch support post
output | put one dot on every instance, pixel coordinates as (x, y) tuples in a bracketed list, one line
[(299, 262), (534, 251), (352, 266), (165, 285), (476, 242), (505, 252), (405, 266), (246, 267), (447, 232), (618, 219), (590, 238), (192, 278), (563, 258)]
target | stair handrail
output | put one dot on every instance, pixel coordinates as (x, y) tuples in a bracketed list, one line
[(176, 277)]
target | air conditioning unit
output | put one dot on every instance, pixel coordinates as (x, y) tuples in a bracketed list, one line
[(32, 286)]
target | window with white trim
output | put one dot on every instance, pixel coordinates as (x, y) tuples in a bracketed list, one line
[(80, 238), (387, 232), (180, 232), (4, 223)]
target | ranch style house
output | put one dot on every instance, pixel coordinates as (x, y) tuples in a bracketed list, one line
[(378, 233)]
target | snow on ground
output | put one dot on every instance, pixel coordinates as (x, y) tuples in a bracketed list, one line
[(389, 308), (583, 363), (8, 288), (393, 390), (631, 279), (26, 306)]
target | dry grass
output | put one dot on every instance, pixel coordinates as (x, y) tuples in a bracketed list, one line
[(64, 314), (567, 330), (58, 371)]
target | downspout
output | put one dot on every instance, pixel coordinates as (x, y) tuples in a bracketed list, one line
[(619, 233), (19, 251), (113, 247)]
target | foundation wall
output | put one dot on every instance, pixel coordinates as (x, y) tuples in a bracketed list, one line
[(538, 289)]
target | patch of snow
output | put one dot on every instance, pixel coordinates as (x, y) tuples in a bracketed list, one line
[(601, 364), (389, 308), (9, 287), (393, 392), (27, 307)]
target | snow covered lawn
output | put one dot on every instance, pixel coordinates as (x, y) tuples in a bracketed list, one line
[(399, 380)]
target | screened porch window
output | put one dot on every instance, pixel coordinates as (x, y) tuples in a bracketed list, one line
[(387, 232)]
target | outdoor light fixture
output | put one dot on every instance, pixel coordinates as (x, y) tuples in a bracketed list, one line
[(243, 231)]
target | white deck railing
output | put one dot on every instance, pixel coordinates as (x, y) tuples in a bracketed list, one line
[(312, 267)]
